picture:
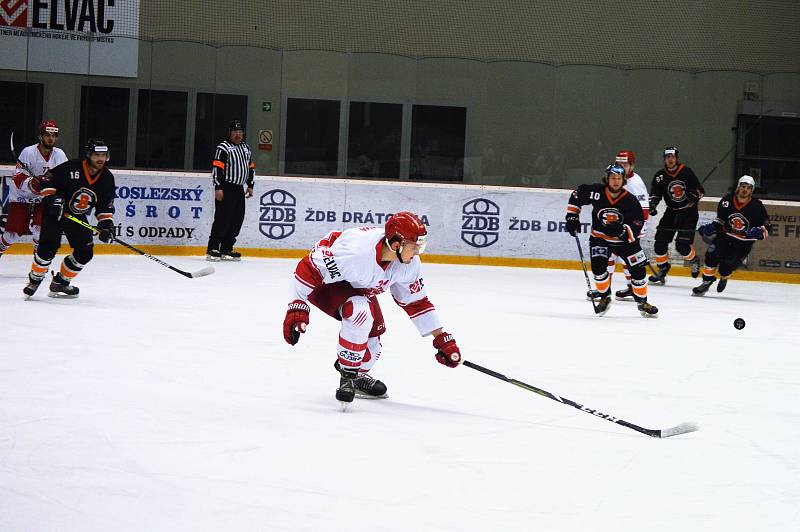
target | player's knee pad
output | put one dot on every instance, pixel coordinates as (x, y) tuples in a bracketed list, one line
[(83, 254), (599, 259), (661, 247), (684, 245), (357, 317), (8, 238)]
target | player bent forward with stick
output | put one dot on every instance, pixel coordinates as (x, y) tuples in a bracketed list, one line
[(343, 275)]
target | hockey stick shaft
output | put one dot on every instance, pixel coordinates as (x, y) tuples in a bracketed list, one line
[(585, 273), (205, 271), (655, 433)]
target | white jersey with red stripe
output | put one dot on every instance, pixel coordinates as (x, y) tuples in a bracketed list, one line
[(31, 163), (354, 255)]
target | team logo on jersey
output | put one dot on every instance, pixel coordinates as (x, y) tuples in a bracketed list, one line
[(609, 215), (278, 214), (82, 200), (14, 13), (738, 222), (677, 190), (480, 223)]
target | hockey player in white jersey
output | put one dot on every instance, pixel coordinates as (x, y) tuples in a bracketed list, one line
[(24, 200), (343, 274), (636, 187)]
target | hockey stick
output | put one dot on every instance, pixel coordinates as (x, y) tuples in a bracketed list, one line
[(199, 273), (683, 428), (585, 273)]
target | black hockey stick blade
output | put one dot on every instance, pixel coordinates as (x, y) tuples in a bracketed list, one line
[(683, 428)]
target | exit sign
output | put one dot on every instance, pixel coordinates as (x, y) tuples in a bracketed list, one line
[(266, 106)]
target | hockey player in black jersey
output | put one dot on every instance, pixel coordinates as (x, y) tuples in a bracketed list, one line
[(75, 187), (617, 221), (681, 191), (741, 220)]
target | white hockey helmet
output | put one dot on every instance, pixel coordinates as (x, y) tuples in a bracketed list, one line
[(746, 180)]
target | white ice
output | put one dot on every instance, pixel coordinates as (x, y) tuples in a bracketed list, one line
[(156, 402)]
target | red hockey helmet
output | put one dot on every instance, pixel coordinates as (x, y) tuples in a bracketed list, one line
[(626, 156), (406, 226), (48, 126)]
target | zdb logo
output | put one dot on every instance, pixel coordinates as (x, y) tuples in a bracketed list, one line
[(278, 214), (480, 223), (14, 13)]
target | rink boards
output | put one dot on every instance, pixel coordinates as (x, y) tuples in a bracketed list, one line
[(171, 212)]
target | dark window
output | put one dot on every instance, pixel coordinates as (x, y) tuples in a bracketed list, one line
[(214, 114), (312, 137), (104, 115), (437, 142), (373, 141), (21, 112), (769, 150), (161, 129)]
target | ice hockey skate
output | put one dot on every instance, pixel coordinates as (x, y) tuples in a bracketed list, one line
[(592, 295), (702, 288), (602, 306), (694, 264), (230, 255), (647, 310), (365, 386), (346, 391), (60, 288), (660, 277), (723, 282), (213, 255), (624, 295), (31, 287)]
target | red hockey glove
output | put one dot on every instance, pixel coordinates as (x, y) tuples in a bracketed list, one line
[(295, 321), (447, 350)]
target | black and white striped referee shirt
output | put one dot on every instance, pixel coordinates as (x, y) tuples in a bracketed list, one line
[(233, 164)]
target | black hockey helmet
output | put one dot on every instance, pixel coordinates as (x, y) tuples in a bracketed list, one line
[(235, 125), (671, 150), (615, 168), (94, 145)]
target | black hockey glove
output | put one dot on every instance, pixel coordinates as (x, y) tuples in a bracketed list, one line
[(56, 207), (106, 231), (573, 223), (653, 210)]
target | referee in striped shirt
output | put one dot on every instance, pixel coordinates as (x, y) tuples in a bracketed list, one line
[(233, 168)]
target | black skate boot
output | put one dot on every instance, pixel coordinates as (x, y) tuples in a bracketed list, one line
[(213, 255), (702, 288), (647, 310), (694, 264), (602, 305), (625, 295), (592, 295), (60, 287), (346, 391), (32, 286), (231, 255), (723, 282), (369, 388), (660, 277)]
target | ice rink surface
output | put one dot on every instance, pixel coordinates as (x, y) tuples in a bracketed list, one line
[(156, 402)]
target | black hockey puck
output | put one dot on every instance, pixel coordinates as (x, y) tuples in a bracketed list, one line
[(738, 323)]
